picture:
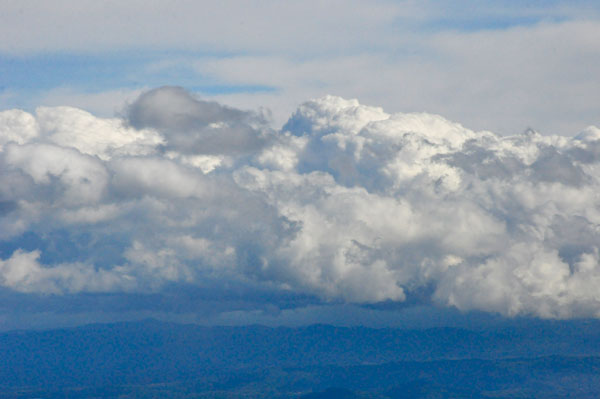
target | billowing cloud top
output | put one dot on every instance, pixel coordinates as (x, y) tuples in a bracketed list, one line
[(345, 203)]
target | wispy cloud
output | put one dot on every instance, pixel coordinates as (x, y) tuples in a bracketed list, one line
[(493, 65)]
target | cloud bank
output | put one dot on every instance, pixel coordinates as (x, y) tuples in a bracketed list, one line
[(346, 203)]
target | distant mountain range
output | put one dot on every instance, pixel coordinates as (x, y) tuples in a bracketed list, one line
[(152, 359)]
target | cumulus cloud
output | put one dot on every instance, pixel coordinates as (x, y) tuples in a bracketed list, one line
[(23, 273), (194, 126), (346, 203), (18, 126)]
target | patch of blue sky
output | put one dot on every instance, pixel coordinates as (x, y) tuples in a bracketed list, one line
[(46, 71), (488, 23), (505, 14), (68, 246), (27, 75)]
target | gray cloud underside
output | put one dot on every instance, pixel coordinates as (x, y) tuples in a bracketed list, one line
[(345, 203)]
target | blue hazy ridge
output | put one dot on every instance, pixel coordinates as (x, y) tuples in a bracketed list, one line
[(152, 359)]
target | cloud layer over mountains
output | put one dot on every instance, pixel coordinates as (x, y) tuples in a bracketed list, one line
[(344, 203)]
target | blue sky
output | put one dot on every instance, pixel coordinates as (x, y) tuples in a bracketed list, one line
[(144, 172), (91, 73)]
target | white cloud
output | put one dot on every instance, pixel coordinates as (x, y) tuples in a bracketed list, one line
[(156, 176), (235, 25), (83, 178), (18, 126), (497, 79), (23, 273), (103, 137), (347, 203)]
